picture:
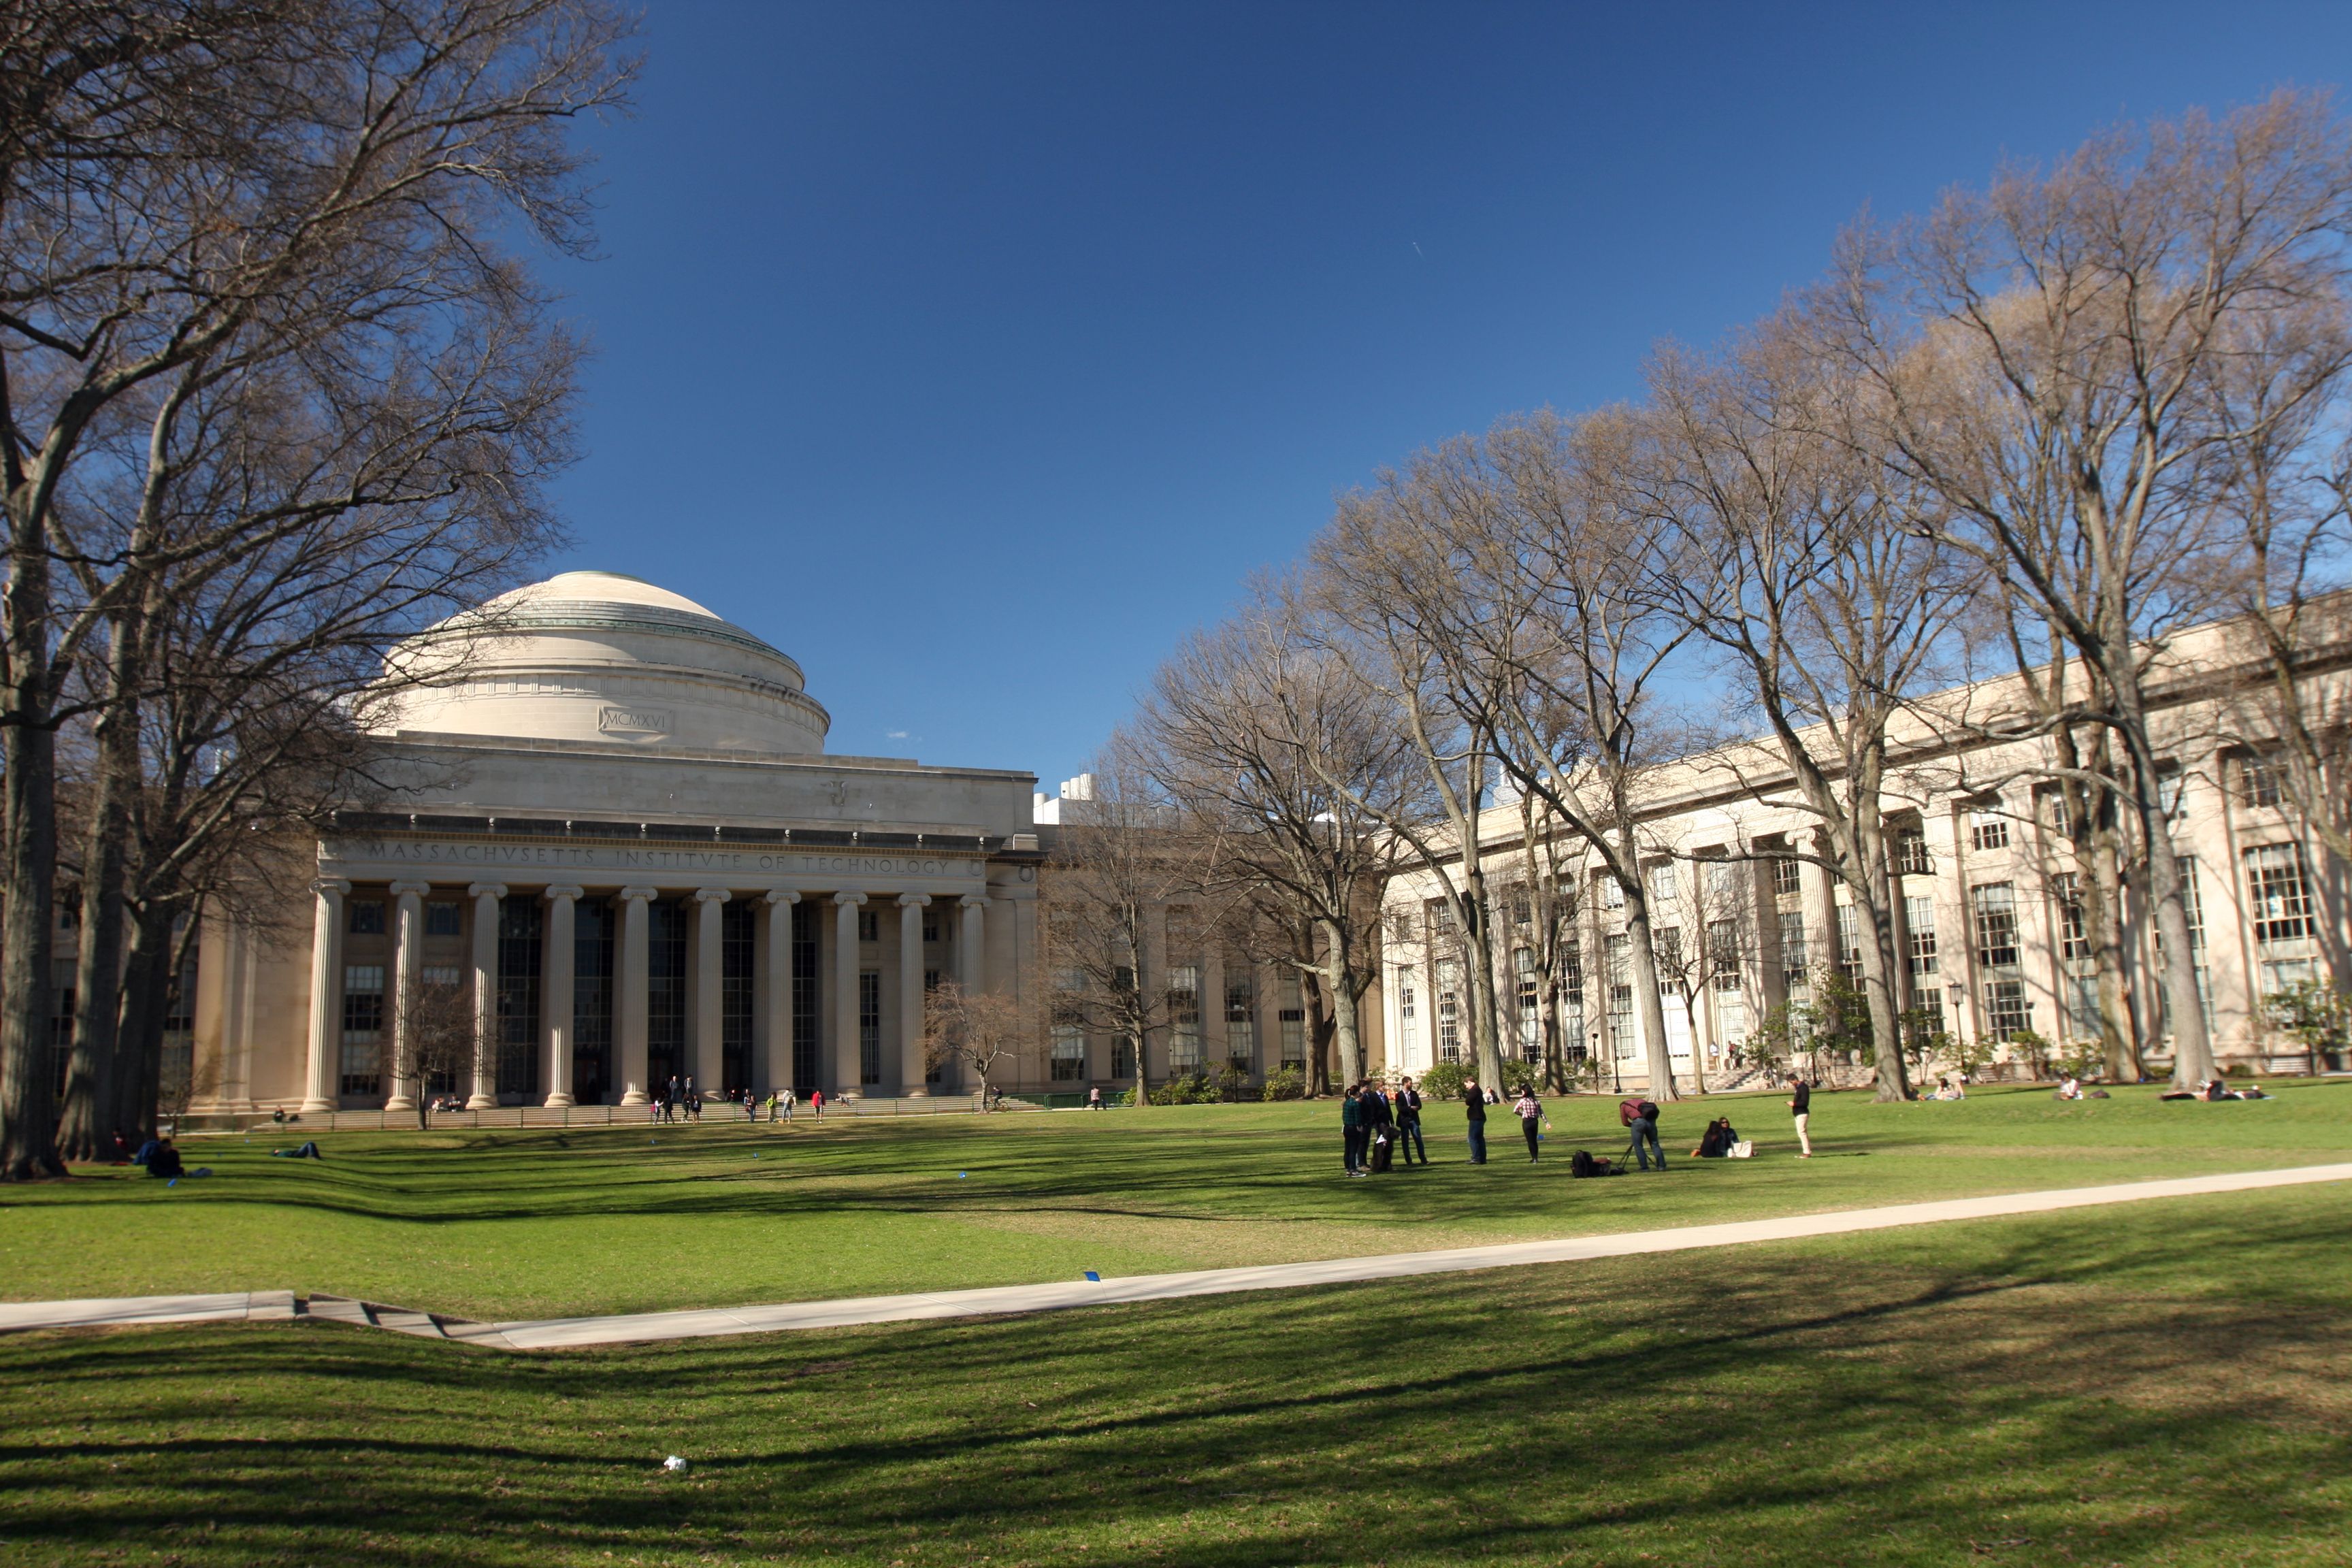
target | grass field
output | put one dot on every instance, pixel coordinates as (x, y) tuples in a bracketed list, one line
[(520, 1223), (2161, 1384)]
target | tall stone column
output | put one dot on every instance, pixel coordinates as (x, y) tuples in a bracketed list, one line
[(555, 1004), (407, 973), (326, 994), (971, 952), (486, 896), (849, 1071), (776, 993), (636, 958), (709, 984), (914, 1078)]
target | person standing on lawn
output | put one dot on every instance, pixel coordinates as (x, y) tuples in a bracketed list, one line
[(1474, 1102), (1408, 1116), (1640, 1117), (1800, 1106), (1381, 1117), (1351, 1130), (816, 1103), (1530, 1114)]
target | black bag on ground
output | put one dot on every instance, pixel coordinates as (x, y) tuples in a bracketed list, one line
[(1583, 1164)]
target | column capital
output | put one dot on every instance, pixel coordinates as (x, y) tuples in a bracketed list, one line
[(402, 889), (711, 895), (487, 891), (640, 894), (331, 887), (566, 892), (851, 900), (972, 902), (913, 900), (784, 896)]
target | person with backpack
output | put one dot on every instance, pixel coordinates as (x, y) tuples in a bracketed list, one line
[(1800, 1106), (1408, 1120), (1474, 1100), (1640, 1117), (1351, 1130), (1530, 1114)]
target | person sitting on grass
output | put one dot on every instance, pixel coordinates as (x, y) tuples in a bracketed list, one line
[(163, 1161), (1716, 1143)]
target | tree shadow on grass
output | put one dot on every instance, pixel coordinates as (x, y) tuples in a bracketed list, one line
[(2069, 1389)]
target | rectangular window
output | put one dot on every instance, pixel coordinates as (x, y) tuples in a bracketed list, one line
[(1722, 881), (1449, 1011), (591, 1002), (1849, 942), (1787, 877), (930, 926), (1794, 963), (1911, 856), (1122, 1056), (1523, 968), (1919, 932), (738, 945), (444, 917), (2006, 1009), (1621, 994), (1663, 887), (869, 1026), (1408, 1012), (2279, 893), (1183, 1018), (2259, 782), (1241, 1013), (363, 1043), (1995, 906), (1438, 914), (1988, 828), (1069, 1055), (869, 928), (808, 1003), (1723, 955), (2074, 939), (364, 917), (666, 1053), (519, 919), (1292, 1016), (1612, 893)]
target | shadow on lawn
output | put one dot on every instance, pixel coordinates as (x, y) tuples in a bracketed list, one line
[(2065, 1388)]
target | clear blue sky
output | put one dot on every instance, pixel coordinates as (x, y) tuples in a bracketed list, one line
[(971, 354)]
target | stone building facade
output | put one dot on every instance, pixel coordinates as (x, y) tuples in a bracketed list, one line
[(613, 823)]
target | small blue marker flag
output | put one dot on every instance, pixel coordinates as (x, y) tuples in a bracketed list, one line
[(173, 1183), (960, 1174), (1094, 1277)]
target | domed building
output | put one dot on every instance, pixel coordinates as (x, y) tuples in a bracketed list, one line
[(612, 825)]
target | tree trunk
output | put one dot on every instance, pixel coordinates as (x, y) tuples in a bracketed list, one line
[(1343, 1004), (2104, 912), (148, 979), (1642, 958), (28, 864), (94, 1095), (2192, 1047), (1875, 932)]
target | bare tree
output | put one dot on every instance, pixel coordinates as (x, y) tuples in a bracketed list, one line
[(978, 1030), (207, 189), (1820, 577), (1117, 862), (1249, 726), (2051, 350), (432, 1038)]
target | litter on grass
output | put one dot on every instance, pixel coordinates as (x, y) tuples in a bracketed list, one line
[(673, 1464)]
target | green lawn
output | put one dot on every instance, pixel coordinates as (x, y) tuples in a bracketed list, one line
[(2161, 1384), (502, 1225)]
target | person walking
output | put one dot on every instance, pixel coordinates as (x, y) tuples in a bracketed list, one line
[(1408, 1118), (1800, 1106), (1351, 1130), (693, 1102), (785, 1101), (1473, 1102), (1094, 1098), (1530, 1114)]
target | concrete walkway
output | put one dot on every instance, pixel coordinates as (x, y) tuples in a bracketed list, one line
[(557, 1333)]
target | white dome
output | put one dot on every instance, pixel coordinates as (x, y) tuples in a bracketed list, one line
[(598, 657)]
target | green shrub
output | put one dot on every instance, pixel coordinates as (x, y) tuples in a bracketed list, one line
[(1443, 1081), (1288, 1083)]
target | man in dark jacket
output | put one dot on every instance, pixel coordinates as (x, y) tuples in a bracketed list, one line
[(1351, 1129), (1641, 1117), (1474, 1102), (1800, 1106), (1408, 1117)]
